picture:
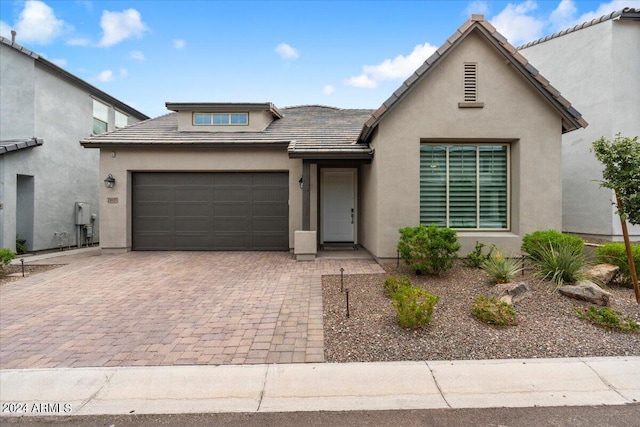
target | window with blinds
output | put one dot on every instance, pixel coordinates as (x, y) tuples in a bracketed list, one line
[(464, 186), (470, 82)]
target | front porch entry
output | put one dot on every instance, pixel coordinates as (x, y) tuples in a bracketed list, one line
[(338, 216)]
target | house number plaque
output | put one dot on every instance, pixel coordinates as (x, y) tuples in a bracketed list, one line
[(112, 200)]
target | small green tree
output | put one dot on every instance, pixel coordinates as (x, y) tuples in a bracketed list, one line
[(621, 160)]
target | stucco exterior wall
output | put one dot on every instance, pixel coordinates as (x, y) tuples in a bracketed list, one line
[(36, 102), (596, 68), (513, 113), (115, 226)]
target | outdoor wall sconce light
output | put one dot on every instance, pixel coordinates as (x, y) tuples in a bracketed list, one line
[(109, 181), (301, 182)]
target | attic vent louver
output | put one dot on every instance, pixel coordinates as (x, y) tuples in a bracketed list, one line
[(470, 82)]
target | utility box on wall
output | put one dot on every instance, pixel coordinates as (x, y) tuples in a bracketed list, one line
[(83, 213)]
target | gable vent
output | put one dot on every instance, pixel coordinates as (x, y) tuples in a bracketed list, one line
[(470, 82)]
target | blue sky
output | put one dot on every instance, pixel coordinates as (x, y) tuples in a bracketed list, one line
[(349, 54)]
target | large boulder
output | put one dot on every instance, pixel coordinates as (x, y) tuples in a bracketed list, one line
[(602, 274), (587, 291), (511, 293)]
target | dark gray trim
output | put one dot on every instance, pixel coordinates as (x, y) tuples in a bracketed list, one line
[(335, 155), (306, 195), (224, 107), (183, 145)]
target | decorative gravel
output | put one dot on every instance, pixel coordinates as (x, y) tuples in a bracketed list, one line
[(547, 326), (14, 272)]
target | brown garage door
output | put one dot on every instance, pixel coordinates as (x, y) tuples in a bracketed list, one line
[(210, 211)]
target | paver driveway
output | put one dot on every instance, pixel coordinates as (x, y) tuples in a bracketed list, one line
[(169, 308)]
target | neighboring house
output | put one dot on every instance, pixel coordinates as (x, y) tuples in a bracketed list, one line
[(44, 111), (596, 64), (471, 140)]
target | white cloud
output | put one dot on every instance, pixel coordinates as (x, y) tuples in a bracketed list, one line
[(78, 41), (328, 89), (137, 55), (362, 81), (563, 15), (105, 76), (37, 23), (124, 72), (5, 30), (481, 7), (517, 24), (118, 26), (606, 8), (286, 51), (60, 62), (179, 43), (399, 67)]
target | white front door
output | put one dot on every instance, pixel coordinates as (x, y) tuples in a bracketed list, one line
[(338, 205)]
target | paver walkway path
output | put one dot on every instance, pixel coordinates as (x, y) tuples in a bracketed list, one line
[(169, 308)]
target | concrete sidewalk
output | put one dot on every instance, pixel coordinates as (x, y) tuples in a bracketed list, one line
[(321, 387)]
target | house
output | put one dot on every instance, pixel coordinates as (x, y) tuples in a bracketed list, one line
[(597, 65), (471, 140), (48, 183)]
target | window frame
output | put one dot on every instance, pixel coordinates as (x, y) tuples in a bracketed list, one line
[(447, 145), (98, 117), (212, 118), (126, 119)]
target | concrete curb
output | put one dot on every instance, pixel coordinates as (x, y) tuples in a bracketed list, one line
[(321, 386)]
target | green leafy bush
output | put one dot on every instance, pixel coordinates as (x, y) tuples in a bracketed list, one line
[(538, 241), (477, 257), (561, 263), (414, 306), (21, 247), (6, 256), (492, 310), (607, 318), (430, 249), (616, 254), (501, 268), (393, 284)]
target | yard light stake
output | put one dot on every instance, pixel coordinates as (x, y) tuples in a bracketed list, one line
[(347, 293), (341, 279), (398, 258), (523, 260), (22, 261)]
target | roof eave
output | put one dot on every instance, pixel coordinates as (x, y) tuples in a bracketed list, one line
[(156, 145), (225, 107)]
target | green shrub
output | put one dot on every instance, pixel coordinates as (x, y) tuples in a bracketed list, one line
[(393, 284), (21, 247), (538, 241), (414, 306), (430, 249), (561, 263), (477, 257), (492, 310), (6, 256), (616, 254), (501, 268), (607, 318)]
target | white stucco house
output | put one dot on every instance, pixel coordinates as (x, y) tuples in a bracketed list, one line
[(596, 64), (471, 140), (44, 112)]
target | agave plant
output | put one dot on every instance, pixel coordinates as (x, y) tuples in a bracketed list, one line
[(562, 263), (500, 267)]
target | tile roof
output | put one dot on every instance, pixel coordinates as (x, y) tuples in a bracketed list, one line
[(10, 145), (572, 119), (308, 131), (62, 73), (224, 107), (625, 14)]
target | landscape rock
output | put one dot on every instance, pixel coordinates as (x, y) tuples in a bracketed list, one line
[(602, 274), (587, 291), (511, 293)]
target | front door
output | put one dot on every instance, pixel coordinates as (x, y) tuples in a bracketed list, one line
[(338, 205)]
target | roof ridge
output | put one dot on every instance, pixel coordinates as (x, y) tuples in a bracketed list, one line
[(501, 43), (609, 16)]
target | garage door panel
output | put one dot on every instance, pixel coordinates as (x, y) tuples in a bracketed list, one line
[(210, 211)]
